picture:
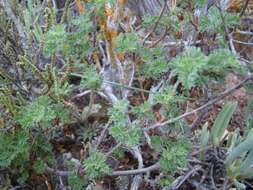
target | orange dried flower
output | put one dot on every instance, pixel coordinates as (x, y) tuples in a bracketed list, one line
[(122, 2), (79, 6), (120, 56), (108, 10)]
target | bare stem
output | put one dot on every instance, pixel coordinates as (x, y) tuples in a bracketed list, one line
[(115, 173), (156, 23)]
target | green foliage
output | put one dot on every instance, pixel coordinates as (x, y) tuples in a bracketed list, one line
[(95, 165), (239, 161), (154, 63), (57, 40), (118, 112), (174, 155), (193, 68), (76, 42), (204, 139), (199, 3), (222, 121), (171, 21), (83, 24), (188, 66), (7, 100), (248, 114), (39, 166), (240, 153), (63, 114), (219, 62), (243, 147), (99, 4), (62, 90), (13, 147), (31, 21), (126, 43), (121, 130), (212, 21), (158, 143), (129, 136), (148, 20), (77, 48), (42, 111), (143, 111), (166, 181), (43, 149), (166, 97), (89, 133), (196, 3), (119, 153), (24, 61), (54, 40), (76, 182), (39, 111), (91, 79), (232, 19)]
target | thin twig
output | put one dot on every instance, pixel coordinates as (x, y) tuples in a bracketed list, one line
[(244, 8), (136, 182), (109, 93), (230, 38), (212, 179), (156, 23), (225, 184), (137, 179), (115, 173), (160, 39), (125, 86), (201, 150), (130, 83), (81, 94), (224, 23), (17, 187), (137, 171), (244, 32), (59, 173), (113, 149), (102, 135), (116, 84), (244, 43), (188, 175), (65, 11), (211, 102)]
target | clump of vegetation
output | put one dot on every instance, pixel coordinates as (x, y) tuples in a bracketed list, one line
[(93, 91)]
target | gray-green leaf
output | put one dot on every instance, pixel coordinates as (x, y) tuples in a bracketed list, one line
[(222, 121)]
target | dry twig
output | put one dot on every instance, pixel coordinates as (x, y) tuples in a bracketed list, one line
[(156, 23)]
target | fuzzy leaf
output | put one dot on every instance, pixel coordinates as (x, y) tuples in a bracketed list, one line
[(39, 111), (188, 66), (95, 165), (129, 136)]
